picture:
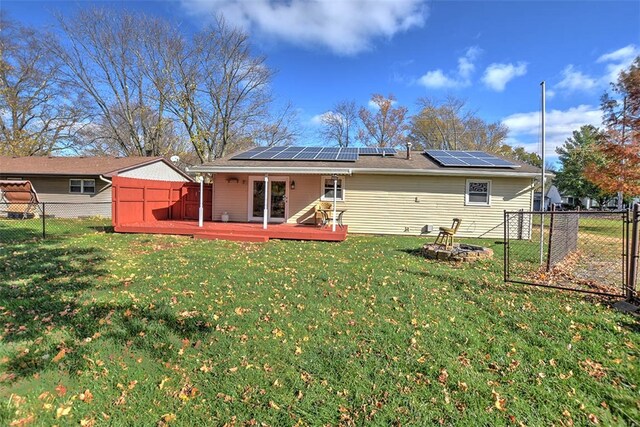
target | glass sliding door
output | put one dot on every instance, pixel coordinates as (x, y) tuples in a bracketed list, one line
[(258, 199), (277, 198)]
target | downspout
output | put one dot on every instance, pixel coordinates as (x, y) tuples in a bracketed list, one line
[(102, 178)]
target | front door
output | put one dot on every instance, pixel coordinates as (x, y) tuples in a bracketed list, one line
[(277, 198)]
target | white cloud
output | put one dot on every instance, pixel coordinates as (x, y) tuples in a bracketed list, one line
[(525, 129), (496, 76), (574, 80), (614, 62), (437, 79), (345, 27), (625, 54)]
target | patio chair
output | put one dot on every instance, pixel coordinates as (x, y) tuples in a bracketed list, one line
[(20, 198), (445, 237), (323, 213)]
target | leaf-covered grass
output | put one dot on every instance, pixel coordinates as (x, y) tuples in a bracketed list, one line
[(144, 330), (13, 230)]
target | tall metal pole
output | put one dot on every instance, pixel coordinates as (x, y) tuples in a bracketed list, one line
[(265, 212), (542, 156)]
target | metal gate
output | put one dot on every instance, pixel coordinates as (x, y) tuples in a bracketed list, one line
[(584, 251)]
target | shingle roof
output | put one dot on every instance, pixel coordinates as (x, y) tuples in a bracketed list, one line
[(419, 162), (76, 166)]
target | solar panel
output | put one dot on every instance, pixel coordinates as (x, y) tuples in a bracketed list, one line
[(473, 159), (347, 156), (368, 151), (340, 154)]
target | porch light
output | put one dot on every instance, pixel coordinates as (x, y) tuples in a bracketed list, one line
[(293, 185)]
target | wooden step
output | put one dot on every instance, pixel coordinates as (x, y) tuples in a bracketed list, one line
[(235, 237)]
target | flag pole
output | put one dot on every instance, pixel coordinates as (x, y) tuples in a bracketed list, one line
[(542, 156)]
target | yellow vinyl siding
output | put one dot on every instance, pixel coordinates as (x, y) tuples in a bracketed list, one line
[(230, 197), (389, 204), (395, 204), (303, 199)]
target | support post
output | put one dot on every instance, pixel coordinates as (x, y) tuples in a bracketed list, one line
[(335, 198), (200, 207), (44, 222), (265, 214), (634, 253)]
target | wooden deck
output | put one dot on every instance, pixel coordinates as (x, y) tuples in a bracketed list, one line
[(237, 231)]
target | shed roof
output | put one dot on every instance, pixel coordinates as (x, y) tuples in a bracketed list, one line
[(76, 166)]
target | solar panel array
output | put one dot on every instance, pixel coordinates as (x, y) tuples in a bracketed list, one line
[(327, 154), (469, 159)]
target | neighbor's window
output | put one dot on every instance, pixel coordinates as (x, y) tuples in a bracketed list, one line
[(82, 186), (327, 189), (478, 192)]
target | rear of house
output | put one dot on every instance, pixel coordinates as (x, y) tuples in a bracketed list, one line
[(383, 192), (77, 187)]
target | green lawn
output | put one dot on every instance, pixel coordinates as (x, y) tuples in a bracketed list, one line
[(154, 330), (12, 230)]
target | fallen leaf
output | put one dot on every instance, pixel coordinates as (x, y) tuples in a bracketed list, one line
[(63, 411), (499, 402), (86, 396), (23, 421), (58, 357), (162, 383), (61, 390)]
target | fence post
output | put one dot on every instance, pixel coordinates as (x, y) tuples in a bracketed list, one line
[(506, 247), (633, 253), (520, 223), (551, 242), (44, 221)]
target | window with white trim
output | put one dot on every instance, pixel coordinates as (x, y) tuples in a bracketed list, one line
[(478, 192), (82, 186), (327, 189)]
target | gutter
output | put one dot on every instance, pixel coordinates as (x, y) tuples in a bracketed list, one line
[(441, 172), (269, 170), (356, 171)]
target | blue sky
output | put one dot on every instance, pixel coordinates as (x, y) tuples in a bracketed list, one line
[(493, 54)]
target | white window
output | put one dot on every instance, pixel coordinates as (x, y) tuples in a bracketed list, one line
[(82, 186), (327, 189), (478, 192)]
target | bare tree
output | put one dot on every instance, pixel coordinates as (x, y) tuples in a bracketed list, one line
[(386, 126), (449, 125), (106, 56), (282, 128), (340, 124), (217, 89), (39, 114)]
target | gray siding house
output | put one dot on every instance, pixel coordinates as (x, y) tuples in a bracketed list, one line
[(81, 186)]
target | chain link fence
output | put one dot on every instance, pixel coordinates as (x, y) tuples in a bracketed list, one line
[(585, 251), (25, 221)]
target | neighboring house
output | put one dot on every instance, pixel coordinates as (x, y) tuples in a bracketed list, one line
[(553, 198), (81, 186), (407, 193)]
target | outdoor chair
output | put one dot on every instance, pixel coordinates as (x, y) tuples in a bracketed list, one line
[(323, 213), (20, 198), (445, 237)]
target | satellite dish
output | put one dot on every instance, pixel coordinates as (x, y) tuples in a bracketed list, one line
[(175, 159)]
